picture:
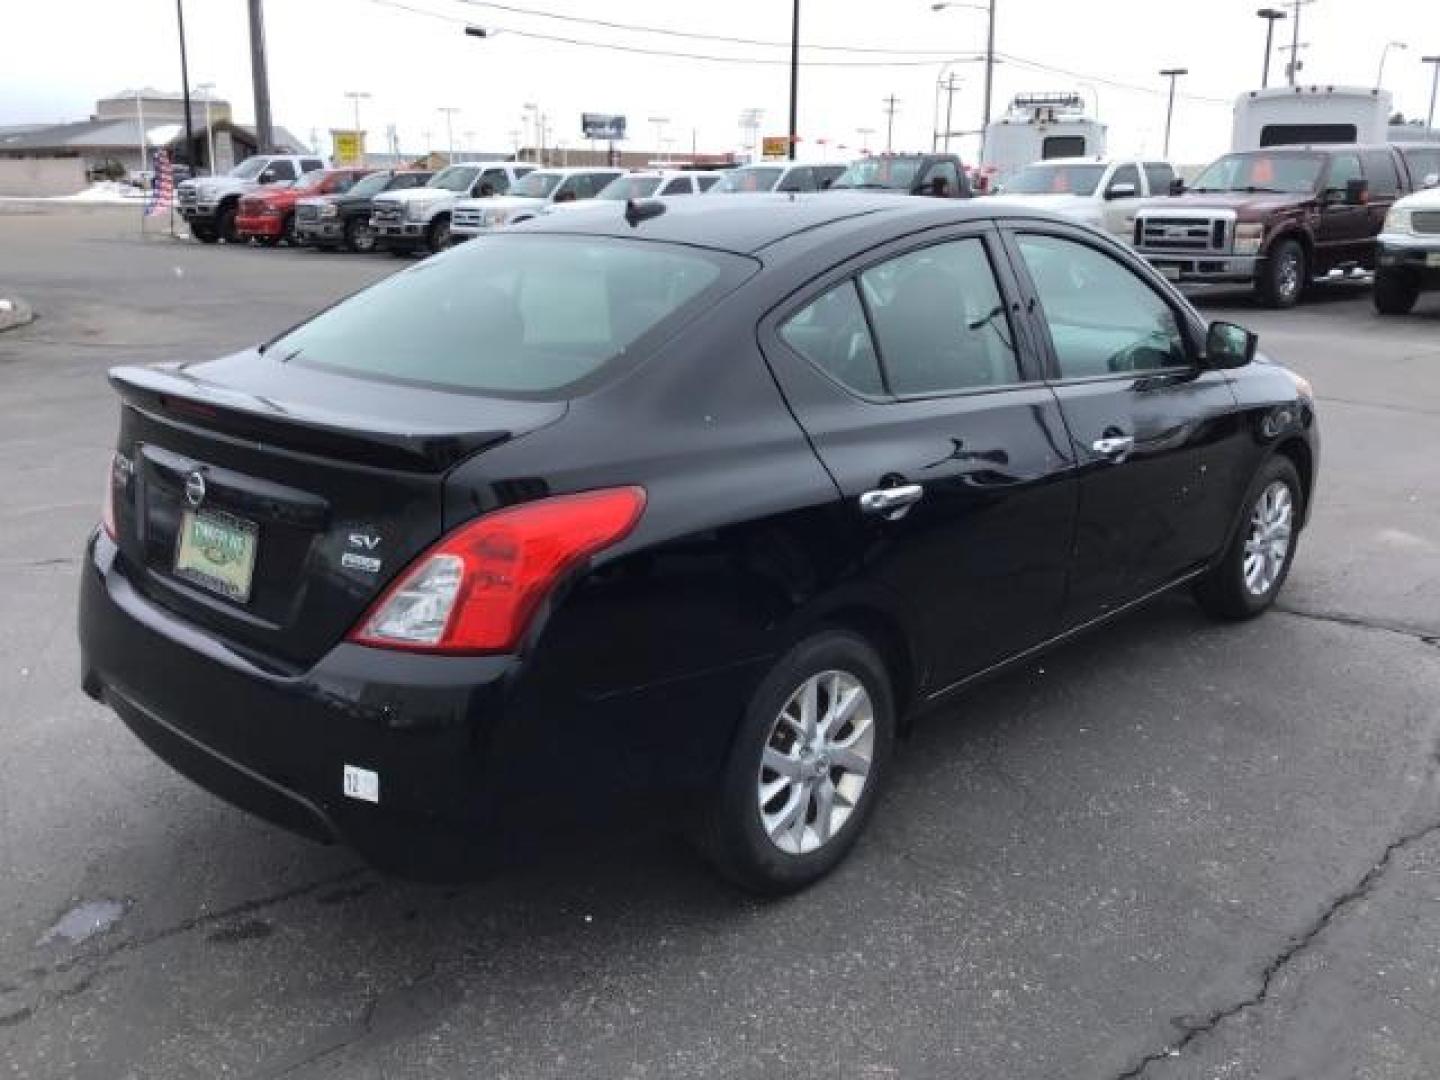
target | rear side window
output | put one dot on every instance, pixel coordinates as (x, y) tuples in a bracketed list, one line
[(831, 333), (523, 315), (1381, 173), (939, 320), (1158, 175)]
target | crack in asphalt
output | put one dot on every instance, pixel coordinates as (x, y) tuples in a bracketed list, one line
[(1297, 944), (1340, 619), (1385, 406)]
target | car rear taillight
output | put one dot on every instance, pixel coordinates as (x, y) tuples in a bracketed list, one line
[(477, 589)]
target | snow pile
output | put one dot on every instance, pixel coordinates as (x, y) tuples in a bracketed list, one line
[(106, 191)]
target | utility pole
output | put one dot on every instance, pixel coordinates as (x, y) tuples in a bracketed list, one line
[(1293, 69), (794, 80), (1270, 15), (865, 134), (449, 111), (891, 104), (185, 86), (1172, 74), (264, 129), (1434, 62), (989, 79), (949, 108)]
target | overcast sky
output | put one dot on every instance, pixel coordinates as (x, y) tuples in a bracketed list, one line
[(57, 57)]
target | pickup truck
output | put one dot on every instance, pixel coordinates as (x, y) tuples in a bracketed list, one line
[(329, 221), (268, 215), (1409, 251), (419, 217), (1276, 219), (529, 198), (940, 176), (210, 204), (1100, 193)]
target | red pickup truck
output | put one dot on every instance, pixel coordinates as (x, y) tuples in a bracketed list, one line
[(268, 215)]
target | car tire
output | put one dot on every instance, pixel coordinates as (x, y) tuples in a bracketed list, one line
[(1396, 292), (774, 831), (437, 235), (206, 234), (225, 224), (270, 241), (1283, 275), (358, 235), (1249, 576), (287, 231)]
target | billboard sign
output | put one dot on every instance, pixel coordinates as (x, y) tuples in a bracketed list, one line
[(775, 146), (349, 147), (602, 126)]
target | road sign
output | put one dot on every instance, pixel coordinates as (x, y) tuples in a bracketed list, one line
[(775, 146), (602, 126), (349, 147)]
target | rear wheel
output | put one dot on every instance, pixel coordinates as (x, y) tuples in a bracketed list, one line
[(358, 235), (806, 766), (1253, 569), (437, 236), (225, 224), (1283, 275), (1395, 291)]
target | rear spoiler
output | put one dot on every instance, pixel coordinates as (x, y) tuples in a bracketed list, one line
[(171, 397)]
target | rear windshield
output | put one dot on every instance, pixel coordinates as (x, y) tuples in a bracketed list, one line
[(524, 315)]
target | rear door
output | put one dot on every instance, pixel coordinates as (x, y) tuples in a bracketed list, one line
[(920, 393), (1155, 437)]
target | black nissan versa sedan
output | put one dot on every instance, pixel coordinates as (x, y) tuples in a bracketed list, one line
[(676, 514)]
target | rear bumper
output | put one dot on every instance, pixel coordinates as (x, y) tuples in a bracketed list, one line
[(1214, 267), (475, 769)]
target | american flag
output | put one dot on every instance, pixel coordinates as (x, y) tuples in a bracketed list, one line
[(162, 192)]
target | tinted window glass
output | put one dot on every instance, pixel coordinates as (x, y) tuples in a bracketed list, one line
[(1307, 134), (679, 186), (522, 315), (939, 320), (706, 182), (344, 182), (401, 181), (310, 164), (1158, 174), (831, 334), (497, 180), (1102, 318), (798, 179), (1424, 163), (1381, 173), (825, 175), (630, 187), (943, 180), (282, 170), (1343, 169), (1126, 174), (1062, 146)]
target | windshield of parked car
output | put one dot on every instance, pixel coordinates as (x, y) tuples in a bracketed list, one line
[(249, 168), (749, 179), (523, 315), (1055, 180), (1280, 174), (538, 185), (1423, 163), (454, 178), (371, 185), (883, 173), (311, 180), (630, 187)]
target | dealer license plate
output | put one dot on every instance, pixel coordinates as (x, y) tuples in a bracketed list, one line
[(217, 552)]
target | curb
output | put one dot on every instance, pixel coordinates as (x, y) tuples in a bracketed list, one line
[(14, 312)]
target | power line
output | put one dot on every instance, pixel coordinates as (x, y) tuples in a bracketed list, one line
[(1035, 65)]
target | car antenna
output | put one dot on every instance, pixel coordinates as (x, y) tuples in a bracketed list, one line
[(638, 210)]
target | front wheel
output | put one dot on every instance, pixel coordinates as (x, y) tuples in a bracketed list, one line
[(358, 235), (437, 236), (1396, 292), (225, 224), (206, 234), (1250, 574), (1283, 275), (806, 766)]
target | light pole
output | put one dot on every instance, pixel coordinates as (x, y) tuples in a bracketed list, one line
[(864, 134), (1434, 62), (660, 122), (208, 88), (989, 9), (794, 79), (1172, 74), (531, 114), (1385, 55), (1271, 16), (449, 111)]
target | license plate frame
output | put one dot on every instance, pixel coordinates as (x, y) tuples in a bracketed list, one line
[(203, 560)]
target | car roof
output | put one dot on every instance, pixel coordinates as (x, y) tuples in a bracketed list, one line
[(666, 174), (572, 170), (745, 226)]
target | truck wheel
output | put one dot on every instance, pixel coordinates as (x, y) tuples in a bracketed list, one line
[(206, 234), (225, 224), (1283, 275), (359, 236), (437, 236), (1395, 291), (287, 231)]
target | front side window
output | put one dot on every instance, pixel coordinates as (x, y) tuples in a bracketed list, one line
[(1343, 169), (310, 164), (281, 170), (678, 186), (1126, 174), (1103, 319), (493, 182), (832, 334), (943, 180), (799, 178), (706, 182), (374, 184), (939, 320), (401, 181), (523, 315), (1159, 175), (456, 178)]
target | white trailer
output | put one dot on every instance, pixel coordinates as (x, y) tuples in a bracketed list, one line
[(1039, 127), (1293, 115)]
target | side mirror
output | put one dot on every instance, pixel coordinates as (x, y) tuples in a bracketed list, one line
[(1357, 191), (1177, 185), (1229, 346), (1120, 191)]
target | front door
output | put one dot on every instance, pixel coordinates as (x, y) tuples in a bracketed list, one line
[(921, 394), (1155, 437), (1344, 236)]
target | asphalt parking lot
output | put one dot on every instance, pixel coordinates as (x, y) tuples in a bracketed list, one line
[(1174, 849)]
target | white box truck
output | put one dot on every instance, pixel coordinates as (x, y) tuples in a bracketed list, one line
[(1296, 115), (1039, 127)]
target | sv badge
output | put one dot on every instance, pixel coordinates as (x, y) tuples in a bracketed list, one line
[(365, 541)]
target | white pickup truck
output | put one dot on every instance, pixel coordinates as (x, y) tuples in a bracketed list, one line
[(1101, 193), (420, 217), (529, 198)]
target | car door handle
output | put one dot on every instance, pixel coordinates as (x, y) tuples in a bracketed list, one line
[(892, 503), (1114, 447)]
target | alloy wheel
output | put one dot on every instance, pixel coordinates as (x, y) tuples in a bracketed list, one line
[(1271, 524), (816, 762), (1290, 276)]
